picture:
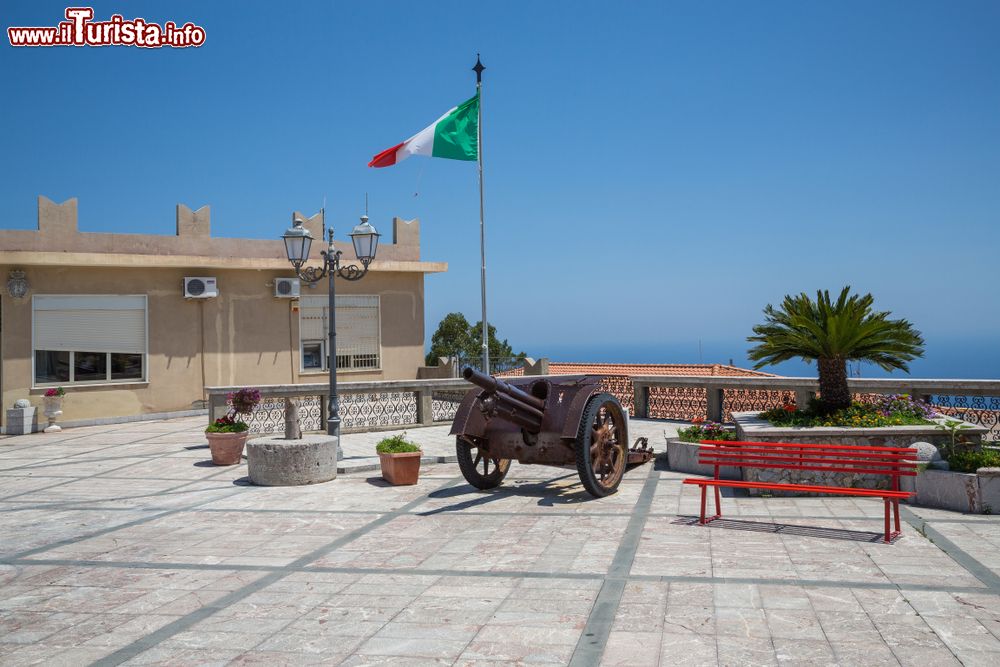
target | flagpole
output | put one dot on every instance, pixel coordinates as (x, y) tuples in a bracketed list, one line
[(478, 69)]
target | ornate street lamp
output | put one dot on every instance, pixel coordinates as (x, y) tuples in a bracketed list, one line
[(298, 241)]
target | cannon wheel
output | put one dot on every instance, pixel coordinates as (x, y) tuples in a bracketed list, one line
[(602, 445), (479, 469)]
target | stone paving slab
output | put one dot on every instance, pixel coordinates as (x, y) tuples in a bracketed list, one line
[(122, 545)]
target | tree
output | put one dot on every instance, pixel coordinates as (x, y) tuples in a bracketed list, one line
[(456, 337), (499, 349), (452, 338), (831, 334)]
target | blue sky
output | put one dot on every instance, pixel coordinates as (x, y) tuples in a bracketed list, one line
[(656, 172)]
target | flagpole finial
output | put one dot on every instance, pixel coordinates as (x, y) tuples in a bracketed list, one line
[(478, 69)]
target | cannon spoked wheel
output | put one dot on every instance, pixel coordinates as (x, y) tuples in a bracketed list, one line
[(602, 445), (479, 468)]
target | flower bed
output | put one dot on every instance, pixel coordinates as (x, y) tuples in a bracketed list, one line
[(702, 429), (893, 410)]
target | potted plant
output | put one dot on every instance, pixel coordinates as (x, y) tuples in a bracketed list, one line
[(400, 460), (53, 407), (227, 435)]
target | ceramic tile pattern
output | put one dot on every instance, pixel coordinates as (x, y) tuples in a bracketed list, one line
[(123, 545)]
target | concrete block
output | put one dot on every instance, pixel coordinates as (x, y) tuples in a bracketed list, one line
[(275, 461), (683, 457), (21, 421), (949, 490), (989, 490)]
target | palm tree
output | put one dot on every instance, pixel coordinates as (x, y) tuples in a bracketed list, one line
[(831, 334)]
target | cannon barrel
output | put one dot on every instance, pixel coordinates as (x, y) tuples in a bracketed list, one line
[(497, 405), (490, 383)]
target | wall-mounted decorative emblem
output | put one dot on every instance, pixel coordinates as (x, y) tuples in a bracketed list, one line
[(17, 284)]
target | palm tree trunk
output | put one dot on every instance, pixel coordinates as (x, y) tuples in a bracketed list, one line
[(833, 388)]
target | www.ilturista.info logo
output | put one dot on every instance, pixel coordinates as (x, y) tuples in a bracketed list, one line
[(81, 30)]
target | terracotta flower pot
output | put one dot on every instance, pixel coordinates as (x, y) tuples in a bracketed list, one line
[(401, 469), (226, 448)]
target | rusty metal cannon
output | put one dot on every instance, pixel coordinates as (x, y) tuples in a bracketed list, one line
[(564, 421)]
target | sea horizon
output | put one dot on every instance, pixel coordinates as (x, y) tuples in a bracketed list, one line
[(970, 359)]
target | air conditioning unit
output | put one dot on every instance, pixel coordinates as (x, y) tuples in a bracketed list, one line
[(200, 288), (286, 288)]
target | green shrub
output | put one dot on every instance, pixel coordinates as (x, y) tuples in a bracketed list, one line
[(227, 424), (970, 461), (705, 430), (396, 444)]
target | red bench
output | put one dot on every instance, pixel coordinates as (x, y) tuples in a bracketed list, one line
[(892, 462)]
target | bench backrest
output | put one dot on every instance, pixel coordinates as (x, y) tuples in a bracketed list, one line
[(893, 462)]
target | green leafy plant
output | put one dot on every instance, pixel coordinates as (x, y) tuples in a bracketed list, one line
[(55, 392), (702, 429), (396, 444), (831, 333), (227, 424), (953, 427), (242, 402), (970, 461)]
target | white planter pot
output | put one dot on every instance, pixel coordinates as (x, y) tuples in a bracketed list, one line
[(53, 410)]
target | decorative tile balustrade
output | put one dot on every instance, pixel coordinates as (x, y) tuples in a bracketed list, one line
[(383, 405)]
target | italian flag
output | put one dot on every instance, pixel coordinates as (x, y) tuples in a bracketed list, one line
[(454, 135)]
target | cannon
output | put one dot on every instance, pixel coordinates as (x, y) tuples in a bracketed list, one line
[(549, 421)]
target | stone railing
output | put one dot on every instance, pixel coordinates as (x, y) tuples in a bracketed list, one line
[(717, 397), (364, 406), (367, 406)]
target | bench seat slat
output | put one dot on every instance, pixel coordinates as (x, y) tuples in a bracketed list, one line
[(713, 458), (738, 443), (773, 451), (809, 488), (818, 468)]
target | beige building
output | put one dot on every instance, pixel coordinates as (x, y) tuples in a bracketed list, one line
[(132, 324)]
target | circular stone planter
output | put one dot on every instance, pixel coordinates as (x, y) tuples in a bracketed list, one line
[(274, 461)]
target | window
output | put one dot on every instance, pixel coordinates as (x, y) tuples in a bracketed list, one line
[(312, 355), (358, 342), (95, 339)]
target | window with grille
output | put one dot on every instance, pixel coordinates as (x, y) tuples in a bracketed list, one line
[(88, 339), (358, 340)]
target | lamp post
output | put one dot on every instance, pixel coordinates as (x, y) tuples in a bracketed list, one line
[(297, 243)]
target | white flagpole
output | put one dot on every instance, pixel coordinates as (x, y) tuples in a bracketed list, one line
[(482, 221)]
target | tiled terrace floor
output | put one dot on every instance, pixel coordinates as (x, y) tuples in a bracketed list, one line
[(122, 545)]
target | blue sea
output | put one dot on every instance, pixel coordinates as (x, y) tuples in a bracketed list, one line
[(970, 358)]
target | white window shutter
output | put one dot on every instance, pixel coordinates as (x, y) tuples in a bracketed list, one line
[(90, 323)]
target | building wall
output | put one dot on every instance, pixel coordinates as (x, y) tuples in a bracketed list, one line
[(245, 336)]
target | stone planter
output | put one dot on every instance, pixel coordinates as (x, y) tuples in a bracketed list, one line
[(400, 469), (683, 457), (947, 490), (20, 421), (53, 410), (749, 427), (976, 493), (226, 448), (277, 461)]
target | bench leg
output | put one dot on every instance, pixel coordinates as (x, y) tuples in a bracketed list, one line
[(895, 511), (718, 509), (704, 491), (887, 538)]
